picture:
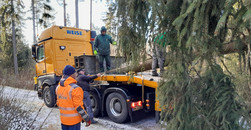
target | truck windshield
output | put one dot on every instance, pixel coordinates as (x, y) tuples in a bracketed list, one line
[(40, 53)]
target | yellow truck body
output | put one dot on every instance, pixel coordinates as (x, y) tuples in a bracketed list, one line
[(59, 46)]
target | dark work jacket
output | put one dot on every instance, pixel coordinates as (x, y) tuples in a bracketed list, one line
[(83, 81), (102, 44)]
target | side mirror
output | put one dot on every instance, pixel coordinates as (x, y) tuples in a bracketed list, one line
[(34, 53)]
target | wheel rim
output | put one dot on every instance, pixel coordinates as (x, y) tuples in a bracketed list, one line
[(47, 97), (93, 103), (116, 107)]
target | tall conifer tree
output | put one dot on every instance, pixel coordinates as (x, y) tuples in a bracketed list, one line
[(195, 92)]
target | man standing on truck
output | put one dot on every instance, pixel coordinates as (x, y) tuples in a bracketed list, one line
[(70, 101), (159, 54), (102, 49), (83, 81)]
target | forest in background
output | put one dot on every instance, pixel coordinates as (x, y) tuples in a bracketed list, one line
[(15, 58), (207, 82)]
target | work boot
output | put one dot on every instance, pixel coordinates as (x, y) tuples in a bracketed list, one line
[(154, 73), (93, 121)]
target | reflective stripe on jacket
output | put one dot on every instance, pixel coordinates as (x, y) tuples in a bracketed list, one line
[(69, 98)]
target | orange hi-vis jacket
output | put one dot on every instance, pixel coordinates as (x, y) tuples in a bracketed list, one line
[(69, 100)]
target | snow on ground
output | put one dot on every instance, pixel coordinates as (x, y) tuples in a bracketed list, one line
[(48, 118)]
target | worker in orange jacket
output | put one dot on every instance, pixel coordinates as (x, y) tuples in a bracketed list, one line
[(70, 101)]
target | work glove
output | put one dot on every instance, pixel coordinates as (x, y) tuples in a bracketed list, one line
[(95, 52), (87, 120), (114, 43), (88, 123), (84, 115)]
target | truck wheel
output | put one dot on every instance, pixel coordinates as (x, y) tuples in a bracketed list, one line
[(116, 108), (49, 97), (95, 103)]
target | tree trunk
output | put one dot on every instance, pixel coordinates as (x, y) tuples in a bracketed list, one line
[(147, 65), (90, 15), (33, 20), (76, 11), (65, 14), (14, 40)]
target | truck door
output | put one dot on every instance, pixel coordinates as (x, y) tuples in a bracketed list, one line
[(40, 58)]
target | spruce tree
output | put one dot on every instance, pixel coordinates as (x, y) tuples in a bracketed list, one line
[(195, 92), (44, 13)]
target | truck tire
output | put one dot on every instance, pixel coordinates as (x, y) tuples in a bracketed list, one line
[(116, 108), (95, 103), (49, 97)]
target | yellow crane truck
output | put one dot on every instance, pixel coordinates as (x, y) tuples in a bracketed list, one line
[(120, 96)]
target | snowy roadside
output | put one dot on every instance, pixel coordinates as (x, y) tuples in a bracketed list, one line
[(40, 112)]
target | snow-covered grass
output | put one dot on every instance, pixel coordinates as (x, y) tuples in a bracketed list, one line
[(12, 116), (23, 102)]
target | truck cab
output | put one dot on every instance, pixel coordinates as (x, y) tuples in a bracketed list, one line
[(56, 47)]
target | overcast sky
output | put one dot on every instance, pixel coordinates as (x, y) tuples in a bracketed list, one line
[(99, 8)]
